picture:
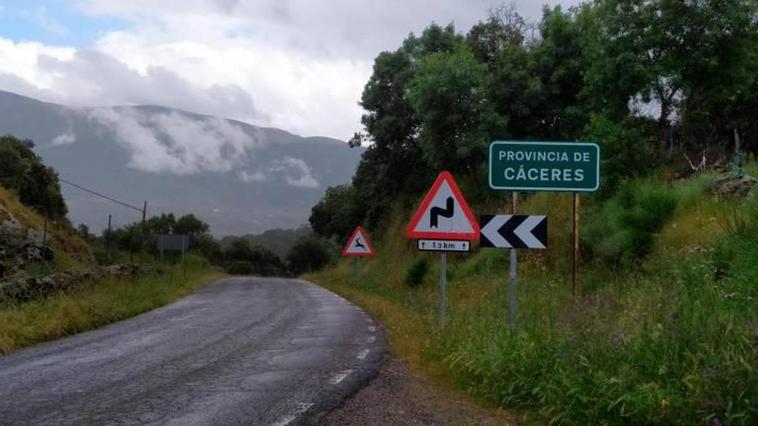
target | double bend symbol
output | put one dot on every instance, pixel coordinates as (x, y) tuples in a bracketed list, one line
[(436, 212)]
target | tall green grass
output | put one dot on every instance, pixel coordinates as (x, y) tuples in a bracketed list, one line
[(98, 303), (668, 337)]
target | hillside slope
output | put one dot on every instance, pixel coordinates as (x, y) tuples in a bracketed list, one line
[(21, 226)]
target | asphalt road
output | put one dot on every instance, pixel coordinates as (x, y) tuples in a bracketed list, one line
[(242, 351)]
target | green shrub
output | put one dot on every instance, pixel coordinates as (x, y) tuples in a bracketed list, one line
[(307, 255), (416, 272), (623, 231)]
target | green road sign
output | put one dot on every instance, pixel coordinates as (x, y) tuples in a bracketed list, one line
[(544, 166)]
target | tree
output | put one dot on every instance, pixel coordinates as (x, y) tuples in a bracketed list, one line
[(37, 186), (448, 95), (161, 225), (687, 58), (243, 258), (190, 225), (307, 255), (333, 216), (503, 29), (393, 162), (536, 87)]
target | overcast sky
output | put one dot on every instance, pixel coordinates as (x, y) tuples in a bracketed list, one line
[(299, 65)]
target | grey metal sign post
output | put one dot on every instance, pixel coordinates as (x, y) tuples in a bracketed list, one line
[(538, 166), (174, 243)]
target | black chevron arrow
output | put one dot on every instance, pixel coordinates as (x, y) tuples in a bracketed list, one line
[(505, 226), (506, 231)]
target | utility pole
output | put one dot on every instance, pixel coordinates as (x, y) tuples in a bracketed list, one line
[(144, 232)]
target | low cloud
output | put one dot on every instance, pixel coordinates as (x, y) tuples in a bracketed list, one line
[(63, 139), (169, 142), (293, 171)]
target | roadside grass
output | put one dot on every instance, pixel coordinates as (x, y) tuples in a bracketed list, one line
[(671, 338), (98, 303)]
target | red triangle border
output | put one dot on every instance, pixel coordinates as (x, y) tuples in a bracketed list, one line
[(369, 246), (444, 176)]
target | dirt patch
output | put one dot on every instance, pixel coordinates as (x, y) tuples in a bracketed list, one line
[(398, 397)]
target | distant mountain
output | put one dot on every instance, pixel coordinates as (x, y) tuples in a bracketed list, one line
[(240, 178)]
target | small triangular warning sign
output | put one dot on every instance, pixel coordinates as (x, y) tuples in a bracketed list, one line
[(444, 213), (358, 244)]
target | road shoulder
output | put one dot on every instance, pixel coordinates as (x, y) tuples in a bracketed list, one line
[(397, 396)]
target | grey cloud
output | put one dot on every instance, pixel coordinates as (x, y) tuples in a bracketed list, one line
[(351, 29), (92, 77)]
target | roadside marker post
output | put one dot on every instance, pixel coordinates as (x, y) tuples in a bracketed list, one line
[(541, 166), (443, 222), (357, 245)]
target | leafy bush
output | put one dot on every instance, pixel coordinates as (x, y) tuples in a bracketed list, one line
[(245, 259), (307, 255), (623, 230), (416, 272)]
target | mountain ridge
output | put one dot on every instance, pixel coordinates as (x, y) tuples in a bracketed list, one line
[(239, 177)]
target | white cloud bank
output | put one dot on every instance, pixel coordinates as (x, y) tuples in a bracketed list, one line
[(299, 65), (63, 139), (172, 143), (293, 171)]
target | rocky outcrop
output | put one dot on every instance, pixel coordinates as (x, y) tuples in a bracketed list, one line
[(23, 287), (734, 185)]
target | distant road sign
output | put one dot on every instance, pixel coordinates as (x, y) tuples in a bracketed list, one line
[(444, 213), (544, 166), (513, 231), (444, 245), (173, 242), (358, 244)]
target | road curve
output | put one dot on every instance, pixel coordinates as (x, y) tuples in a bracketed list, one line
[(242, 351)]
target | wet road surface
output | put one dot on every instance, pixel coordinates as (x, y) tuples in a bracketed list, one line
[(242, 351)]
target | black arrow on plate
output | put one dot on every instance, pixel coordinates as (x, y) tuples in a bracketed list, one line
[(506, 231), (513, 231)]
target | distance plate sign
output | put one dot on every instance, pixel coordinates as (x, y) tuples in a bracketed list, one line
[(444, 245)]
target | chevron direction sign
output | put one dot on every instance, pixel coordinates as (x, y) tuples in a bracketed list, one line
[(513, 231)]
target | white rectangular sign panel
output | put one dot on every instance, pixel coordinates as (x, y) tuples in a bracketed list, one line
[(444, 245)]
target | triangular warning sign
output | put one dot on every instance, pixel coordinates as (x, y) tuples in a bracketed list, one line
[(444, 213), (358, 244)]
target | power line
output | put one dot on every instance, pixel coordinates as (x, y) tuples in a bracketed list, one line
[(101, 195)]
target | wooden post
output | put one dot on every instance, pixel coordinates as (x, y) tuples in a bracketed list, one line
[(144, 232), (575, 263), (108, 242)]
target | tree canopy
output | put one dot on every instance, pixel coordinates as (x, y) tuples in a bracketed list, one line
[(646, 79), (22, 171)]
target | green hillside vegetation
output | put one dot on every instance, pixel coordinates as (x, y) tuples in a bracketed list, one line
[(73, 286), (665, 329)]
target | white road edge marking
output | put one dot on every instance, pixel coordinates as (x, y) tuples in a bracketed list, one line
[(363, 354), (301, 408), (340, 377), (372, 339), (372, 329)]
